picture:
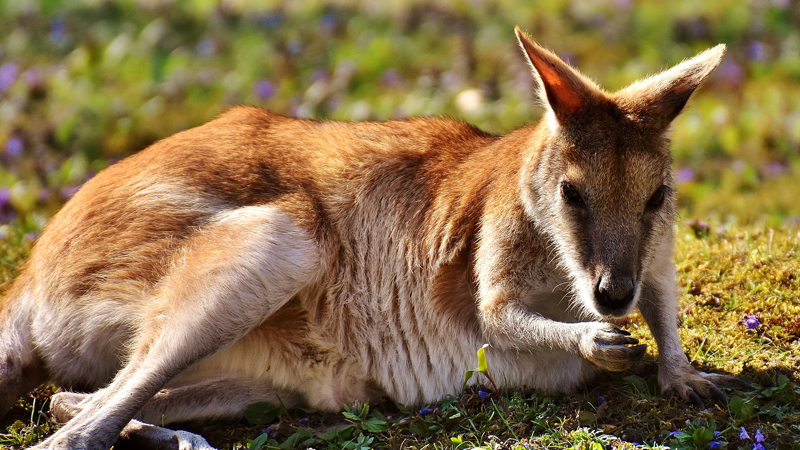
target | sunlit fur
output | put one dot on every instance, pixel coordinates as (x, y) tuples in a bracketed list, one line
[(264, 258)]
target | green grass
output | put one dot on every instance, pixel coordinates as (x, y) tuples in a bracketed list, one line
[(726, 273), (84, 83)]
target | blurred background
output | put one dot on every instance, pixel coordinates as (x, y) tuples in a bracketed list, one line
[(84, 83)]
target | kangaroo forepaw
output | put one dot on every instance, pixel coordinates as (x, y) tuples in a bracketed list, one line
[(611, 348)]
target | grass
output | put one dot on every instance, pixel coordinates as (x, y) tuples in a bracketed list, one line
[(728, 274), (83, 83)]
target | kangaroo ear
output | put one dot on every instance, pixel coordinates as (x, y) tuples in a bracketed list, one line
[(561, 88), (661, 97)]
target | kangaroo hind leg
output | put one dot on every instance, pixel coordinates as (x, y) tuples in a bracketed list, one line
[(232, 275)]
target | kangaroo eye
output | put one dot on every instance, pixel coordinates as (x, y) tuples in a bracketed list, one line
[(571, 194), (657, 199)]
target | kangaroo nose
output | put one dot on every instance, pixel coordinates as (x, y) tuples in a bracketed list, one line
[(614, 293)]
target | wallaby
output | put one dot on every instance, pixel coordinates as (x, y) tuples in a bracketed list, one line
[(264, 258)]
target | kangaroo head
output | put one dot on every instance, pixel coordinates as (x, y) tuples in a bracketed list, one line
[(598, 180)]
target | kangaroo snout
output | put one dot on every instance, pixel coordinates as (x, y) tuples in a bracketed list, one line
[(614, 294)]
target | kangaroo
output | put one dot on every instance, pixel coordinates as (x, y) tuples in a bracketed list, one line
[(265, 258)]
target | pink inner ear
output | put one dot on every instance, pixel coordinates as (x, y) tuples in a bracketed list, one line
[(559, 90)]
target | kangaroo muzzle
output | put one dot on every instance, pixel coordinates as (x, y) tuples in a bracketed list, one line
[(614, 294)]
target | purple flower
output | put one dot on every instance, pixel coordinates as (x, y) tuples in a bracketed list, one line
[(68, 191), (425, 410), (303, 420), (714, 444), (483, 394), (7, 211), (752, 322), (271, 20), (45, 195), (30, 236), (5, 196), (757, 51), (264, 89), (731, 73), (743, 435), (600, 399), (207, 47), (759, 436), (8, 74), (58, 30), (14, 146), (684, 175), (391, 78), (758, 446), (716, 434), (32, 77), (773, 168), (294, 47), (328, 23)]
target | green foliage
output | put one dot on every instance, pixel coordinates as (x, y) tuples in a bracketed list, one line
[(262, 413), (483, 366)]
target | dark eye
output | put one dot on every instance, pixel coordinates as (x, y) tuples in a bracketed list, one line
[(657, 199), (571, 194)]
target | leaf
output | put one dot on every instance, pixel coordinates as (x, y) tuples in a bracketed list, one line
[(702, 436), (742, 410), (351, 416), (258, 443), (483, 366), (262, 413), (337, 432), (587, 418), (301, 438), (374, 425)]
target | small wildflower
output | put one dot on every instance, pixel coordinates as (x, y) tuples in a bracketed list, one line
[(14, 146), (751, 321), (425, 410), (757, 51), (67, 192), (7, 211), (58, 30), (759, 436), (264, 89), (302, 420), (743, 435), (294, 47), (483, 394), (758, 446), (207, 47), (684, 175), (8, 74), (328, 23), (714, 444), (600, 399)]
